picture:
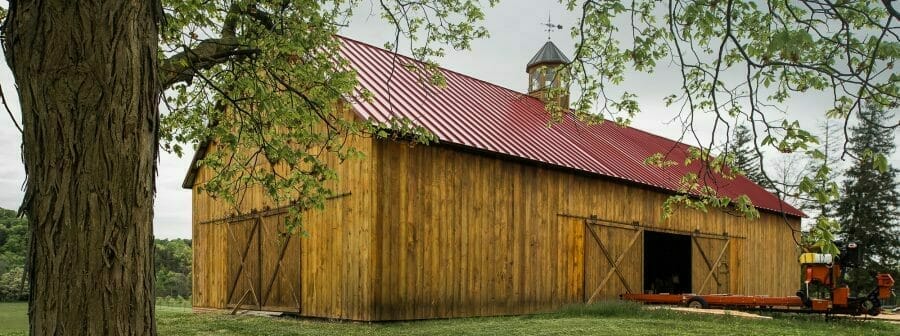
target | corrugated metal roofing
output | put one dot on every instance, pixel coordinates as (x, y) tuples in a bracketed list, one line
[(473, 113), (548, 54)]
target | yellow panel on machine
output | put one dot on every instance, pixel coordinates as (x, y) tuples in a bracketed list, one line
[(816, 258)]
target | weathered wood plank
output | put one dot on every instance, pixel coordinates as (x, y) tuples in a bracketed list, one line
[(437, 232), (713, 269)]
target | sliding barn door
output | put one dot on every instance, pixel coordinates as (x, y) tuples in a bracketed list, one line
[(710, 264), (243, 263), (280, 266), (263, 264), (612, 260)]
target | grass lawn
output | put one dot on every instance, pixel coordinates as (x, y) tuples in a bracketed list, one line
[(602, 319), (13, 317)]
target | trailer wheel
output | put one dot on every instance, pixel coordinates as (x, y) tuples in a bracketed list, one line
[(872, 306), (697, 302)]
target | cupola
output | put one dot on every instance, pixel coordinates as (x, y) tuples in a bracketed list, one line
[(544, 74)]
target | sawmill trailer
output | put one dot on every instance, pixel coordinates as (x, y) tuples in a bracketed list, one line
[(824, 290)]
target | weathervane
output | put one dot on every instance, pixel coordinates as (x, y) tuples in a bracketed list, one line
[(550, 26)]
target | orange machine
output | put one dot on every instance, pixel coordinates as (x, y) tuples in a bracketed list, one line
[(823, 272), (826, 271)]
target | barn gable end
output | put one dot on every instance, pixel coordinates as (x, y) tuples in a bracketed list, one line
[(243, 258)]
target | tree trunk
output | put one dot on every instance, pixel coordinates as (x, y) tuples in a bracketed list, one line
[(87, 81)]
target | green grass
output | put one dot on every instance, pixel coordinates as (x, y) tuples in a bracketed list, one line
[(611, 318), (173, 302), (13, 317)]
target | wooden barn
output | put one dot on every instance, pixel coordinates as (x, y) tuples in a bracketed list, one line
[(504, 215)]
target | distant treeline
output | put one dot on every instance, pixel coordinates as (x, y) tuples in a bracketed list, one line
[(13, 242), (173, 268), (173, 261)]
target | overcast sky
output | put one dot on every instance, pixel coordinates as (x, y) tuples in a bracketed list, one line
[(516, 34)]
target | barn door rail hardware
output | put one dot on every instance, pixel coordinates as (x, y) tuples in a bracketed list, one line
[(266, 212), (637, 225)]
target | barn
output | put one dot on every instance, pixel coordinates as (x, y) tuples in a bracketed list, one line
[(503, 215)]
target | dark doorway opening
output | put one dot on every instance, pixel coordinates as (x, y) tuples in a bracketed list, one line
[(667, 263)]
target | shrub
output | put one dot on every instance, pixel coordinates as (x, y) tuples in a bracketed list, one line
[(13, 287)]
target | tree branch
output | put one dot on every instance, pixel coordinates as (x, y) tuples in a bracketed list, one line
[(183, 66), (890, 9), (11, 116)]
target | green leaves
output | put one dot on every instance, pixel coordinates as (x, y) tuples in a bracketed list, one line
[(821, 236), (789, 44), (739, 61), (401, 129), (707, 198), (881, 163), (658, 160), (263, 86)]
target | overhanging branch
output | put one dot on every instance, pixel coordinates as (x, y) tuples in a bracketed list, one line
[(182, 67)]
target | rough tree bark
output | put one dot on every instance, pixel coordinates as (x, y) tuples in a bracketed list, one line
[(87, 81)]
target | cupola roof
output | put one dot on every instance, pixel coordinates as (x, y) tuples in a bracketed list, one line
[(549, 54)]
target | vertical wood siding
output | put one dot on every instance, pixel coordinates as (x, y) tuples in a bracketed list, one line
[(328, 271), (430, 232), (461, 234)]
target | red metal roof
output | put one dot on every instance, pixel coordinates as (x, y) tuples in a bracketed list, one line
[(473, 113)]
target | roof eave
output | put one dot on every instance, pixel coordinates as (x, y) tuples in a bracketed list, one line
[(786, 212), (191, 176)]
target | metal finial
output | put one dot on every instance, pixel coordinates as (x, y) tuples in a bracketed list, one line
[(550, 26)]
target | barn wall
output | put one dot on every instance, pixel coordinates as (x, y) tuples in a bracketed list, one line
[(328, 271), (461, 234), (435, 232)]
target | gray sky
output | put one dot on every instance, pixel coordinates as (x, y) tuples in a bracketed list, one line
[(516, 34)]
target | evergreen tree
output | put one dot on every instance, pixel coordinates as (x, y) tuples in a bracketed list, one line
[(745, 157), (867, 212)]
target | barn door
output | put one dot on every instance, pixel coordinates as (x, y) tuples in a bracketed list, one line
[(261, 277), (710, 264), (244, 263), (280, 259), (612, 260)]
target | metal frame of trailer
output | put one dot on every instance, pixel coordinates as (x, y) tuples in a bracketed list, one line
[(839, 303), (730, 301)]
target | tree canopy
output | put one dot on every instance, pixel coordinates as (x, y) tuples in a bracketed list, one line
[(173, 260), (742, 62), (260, 80), (13, 241)]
